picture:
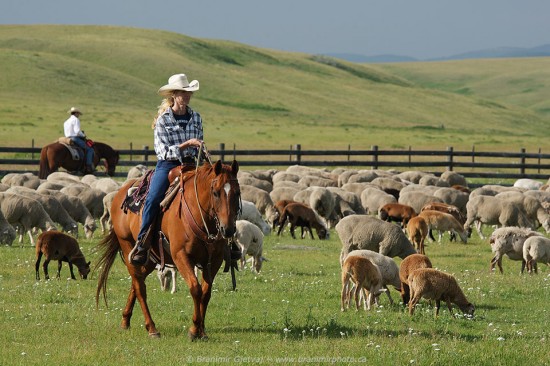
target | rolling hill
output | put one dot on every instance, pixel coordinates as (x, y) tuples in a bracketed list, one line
[(251, 97)]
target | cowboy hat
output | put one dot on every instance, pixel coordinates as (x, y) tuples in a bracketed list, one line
[(74, 110), (178, 82)]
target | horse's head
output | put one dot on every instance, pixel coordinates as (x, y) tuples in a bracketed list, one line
[(226, 197)]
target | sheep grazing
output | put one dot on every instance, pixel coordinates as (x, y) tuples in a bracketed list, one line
[(450, 209), (251, 240), (433, 284), (409, 264), (366, 277), (387, 266), (444, 222), (55, 245), (396, 212), (509, 241), (536, 249), (298, 214), (167, 277), (274, 214), (418, 230), (7, 232), (367, 232), (250, 213)]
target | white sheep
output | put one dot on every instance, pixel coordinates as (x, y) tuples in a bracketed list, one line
[(250, 239), (253, 181), (417, 199), (280, 193), (28, 180), (105, 185), (261, 198), (250, 213), (91, 197), (137, 171), (528, 184), (531, 206), (453, 178), (374, 198), (536, 249), (444, 222), (167, 277), (436, 285), (509, 241)]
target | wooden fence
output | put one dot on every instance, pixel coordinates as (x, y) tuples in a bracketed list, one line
[(471, 164)]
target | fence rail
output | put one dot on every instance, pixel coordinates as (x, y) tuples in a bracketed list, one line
[(471, 164)]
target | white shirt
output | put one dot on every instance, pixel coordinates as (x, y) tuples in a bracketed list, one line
[(72, 127)]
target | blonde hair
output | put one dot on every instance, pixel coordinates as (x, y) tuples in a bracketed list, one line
[(166, 102)]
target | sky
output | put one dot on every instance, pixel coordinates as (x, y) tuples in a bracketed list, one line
[(422, 29)]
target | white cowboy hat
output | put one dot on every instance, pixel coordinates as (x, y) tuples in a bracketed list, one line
[(74, 110), (178, 82)]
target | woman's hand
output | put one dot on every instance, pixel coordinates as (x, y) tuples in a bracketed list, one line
[(190, 142)]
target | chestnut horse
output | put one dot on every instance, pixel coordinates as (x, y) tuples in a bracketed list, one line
[(197, 225), (56, 155)]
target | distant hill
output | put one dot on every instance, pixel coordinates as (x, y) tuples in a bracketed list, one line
[(371, 59)]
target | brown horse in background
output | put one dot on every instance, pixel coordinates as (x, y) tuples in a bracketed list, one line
[(197, 225), (56, 155)]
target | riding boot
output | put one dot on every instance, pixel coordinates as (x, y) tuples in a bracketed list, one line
[(140, 253)]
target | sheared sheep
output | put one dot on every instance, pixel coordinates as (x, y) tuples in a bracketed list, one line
[(396, 212), (409, 264), (298, 214), (509, 241), (368, 232), (250, 239), (365, 275), (536, 249), (417, 228), (444, 222), (55, 245), (436, 285)]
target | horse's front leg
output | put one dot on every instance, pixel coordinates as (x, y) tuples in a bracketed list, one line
[(187, 271)]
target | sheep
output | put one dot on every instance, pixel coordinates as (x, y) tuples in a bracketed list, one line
[(285, 176), (412, 176), (418, 230), (409, 264), (28, 180), (274, 214), (25, 212), (264, 174), (298, 214), (364, 176), (542, 196), (387, 266), (436, 285), (492, 190), (450, 209), (91, 197), (490, 210), (261, 198), (453, 178), (536, 249), (388, 184), (344, 176), (417, 199), (365, 276), (374, 198), (532, 207), (528, 184), (105, 185), (250, 240), (283, 193), (7, 232), (105, 219), (367, 232), (250, 213), (301, 171), (137, 171), (62, 177), (444, 222), (167, 277), (258, 183), (509, 241), (289, 184), (322, 201), (453, 197), (357, 188), (55, 245), (317, 181), (396, 212)]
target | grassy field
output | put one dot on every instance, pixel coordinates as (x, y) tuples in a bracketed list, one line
[(261, 98), (290, 313)]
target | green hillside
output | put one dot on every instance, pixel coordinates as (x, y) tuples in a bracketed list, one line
[(251, 97)]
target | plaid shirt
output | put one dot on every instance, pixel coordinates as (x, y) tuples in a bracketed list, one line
[(169, 134)]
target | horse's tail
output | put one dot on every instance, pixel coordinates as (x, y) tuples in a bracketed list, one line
[(44, 164), (109, 248)]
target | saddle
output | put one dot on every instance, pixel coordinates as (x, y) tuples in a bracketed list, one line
[(74, 150)]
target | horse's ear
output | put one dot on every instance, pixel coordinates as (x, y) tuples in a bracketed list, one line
[(218, 167), (235, 167)]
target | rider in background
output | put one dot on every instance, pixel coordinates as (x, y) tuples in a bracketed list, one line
[(178, 134), (77, 136)]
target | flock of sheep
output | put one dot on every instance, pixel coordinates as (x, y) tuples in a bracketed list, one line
[(377, 215)]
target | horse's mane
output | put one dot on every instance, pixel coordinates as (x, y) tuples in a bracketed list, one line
[(206, 169)]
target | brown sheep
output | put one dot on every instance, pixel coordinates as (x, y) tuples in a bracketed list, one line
[(396, 212), (435, 285), (366, 277), (444, 222), (279, 207), (55, 245), (409, 264), (418, 230), (450, 209), (301, 215)]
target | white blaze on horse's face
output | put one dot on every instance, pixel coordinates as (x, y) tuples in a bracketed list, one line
[(227, 188)]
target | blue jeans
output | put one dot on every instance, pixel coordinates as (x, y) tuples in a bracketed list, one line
[(157, 189), (88, 151)]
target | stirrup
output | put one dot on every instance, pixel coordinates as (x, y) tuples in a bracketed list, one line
[(139, 255)]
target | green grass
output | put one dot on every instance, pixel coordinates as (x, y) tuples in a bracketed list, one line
[(56, 321), (262, 98)]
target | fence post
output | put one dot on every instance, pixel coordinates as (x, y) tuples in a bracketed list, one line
[(298, 150), (146, 156), (349, 149), (450, 158), (522, 162), (131, 151), (410, 147), (222, 151), (540, 152), (473, 154), (32, 153), (375, 156)]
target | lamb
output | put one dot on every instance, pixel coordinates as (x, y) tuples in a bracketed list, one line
[(444, 222), (509, 241), (274, 215), (365, 276), (536, 249), (55, 245), (435, 285), (367, 232), (418, 230), (396, 212), (250, 239), (409, 264), (450, 209), (490, 210), (7, 232), (387, 266), (250, 213), (25, 212), (167, 277), (298, 214)]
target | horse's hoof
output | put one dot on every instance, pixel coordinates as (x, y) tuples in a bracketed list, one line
[(154, 335)]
